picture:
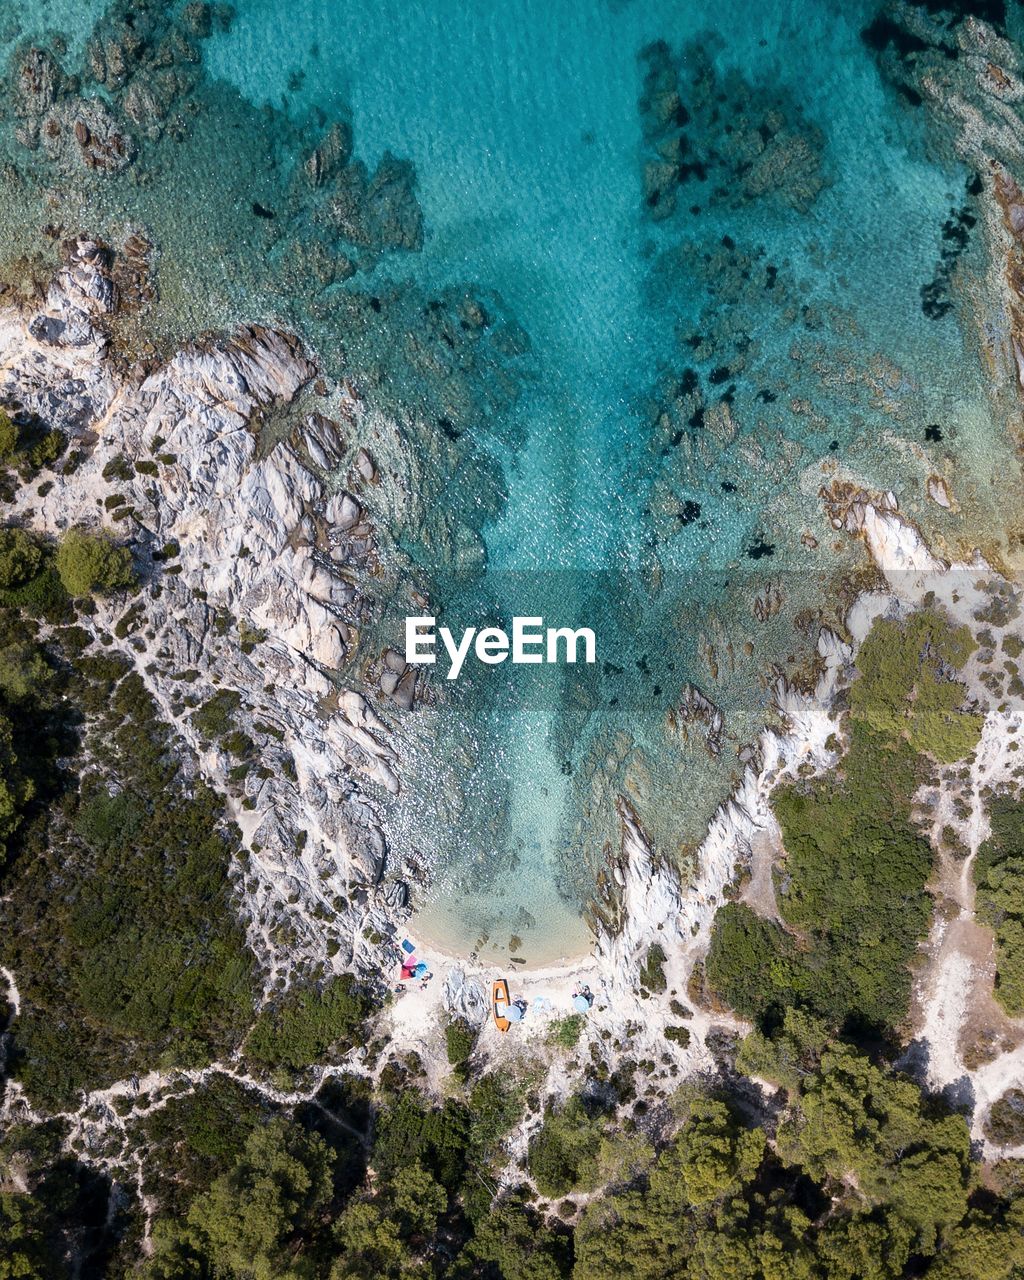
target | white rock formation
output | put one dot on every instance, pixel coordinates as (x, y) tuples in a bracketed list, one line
[(654, 906), (264, 547)]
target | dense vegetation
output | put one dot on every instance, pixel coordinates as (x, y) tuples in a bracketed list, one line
[(999, 872), (859, 1177), (345, 1190), (121, 924), (306, 1023), (563, 1153), (864, 1181), (851, 892), (117, 910)]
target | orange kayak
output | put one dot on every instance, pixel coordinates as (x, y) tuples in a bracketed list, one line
[(500, 1003)]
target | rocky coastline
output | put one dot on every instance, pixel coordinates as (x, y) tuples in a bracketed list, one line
[(269, 505)]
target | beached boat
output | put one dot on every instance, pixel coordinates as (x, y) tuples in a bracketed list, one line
[(499, 1004)]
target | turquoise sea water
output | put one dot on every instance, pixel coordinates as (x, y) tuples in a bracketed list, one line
[(522, 121)]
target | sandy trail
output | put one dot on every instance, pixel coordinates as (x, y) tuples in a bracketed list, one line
[(955, 1015)]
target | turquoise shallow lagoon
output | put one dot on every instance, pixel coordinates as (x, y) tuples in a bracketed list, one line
[(701, 346)]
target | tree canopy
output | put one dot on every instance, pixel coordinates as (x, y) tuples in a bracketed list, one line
[(93, 562)]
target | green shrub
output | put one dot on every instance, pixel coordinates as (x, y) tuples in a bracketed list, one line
[(652, 972), (8, 437), (1005, 1123), (411, 1129), (237, 743), (460, 1039), (566, 1032), (752, 963), (216, 717), (43, 596), (117, 469), (21, 557), (561, 1157), (93, 562), (45, 451), (306, 1023), (903, 688), (999, 874)]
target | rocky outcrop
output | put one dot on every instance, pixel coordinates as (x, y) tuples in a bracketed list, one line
[(642, 901), (696, 708), (895, 544), (252, 563), (141, 63)]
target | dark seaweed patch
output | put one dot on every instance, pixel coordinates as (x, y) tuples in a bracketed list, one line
[(448, 427), (715, 136), (761, 549), (933, 432), (692, 169), (689, 513), (882, 32), (956, 11), (936, 300)]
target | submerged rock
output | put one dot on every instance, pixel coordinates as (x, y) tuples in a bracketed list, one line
[(376, 212), (87, 132), (696, 708), (328, 159), (741, 141), (938, 491)]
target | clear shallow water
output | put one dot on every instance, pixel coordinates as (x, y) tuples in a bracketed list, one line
[(523, 124)]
